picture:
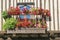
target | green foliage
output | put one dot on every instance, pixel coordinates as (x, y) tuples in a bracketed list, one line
[(4, 14), (9, 24)]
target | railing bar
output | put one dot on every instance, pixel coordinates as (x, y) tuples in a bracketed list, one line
[(50, 13), (53, 15), (22, 0), (19, 0), (9, 3), (13, 6), (30, 0), (1, 14), (40, 3), (13, 3), (37, 3), (27, 0), (58, 14), (44, 4), (5, 4), (33, 5), (16, 2), (33, 2)]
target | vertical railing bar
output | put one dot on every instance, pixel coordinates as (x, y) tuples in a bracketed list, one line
[(22, 0), (30, 0), (40, 3), (27, 0), (9, 3), (16, 5), (44, 4), (36, 3), (13, 6), (1, 14), (19, 0), (50, 13), (58, 14), (13, 3), (16, 2), (53, 15), (5, 4), (33, 2)]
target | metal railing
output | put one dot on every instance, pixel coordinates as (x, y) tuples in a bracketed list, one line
[(52, 5)]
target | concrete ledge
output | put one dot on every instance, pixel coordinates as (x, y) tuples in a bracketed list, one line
[(28, 30)]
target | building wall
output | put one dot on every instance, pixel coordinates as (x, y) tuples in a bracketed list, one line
[(52, 5)]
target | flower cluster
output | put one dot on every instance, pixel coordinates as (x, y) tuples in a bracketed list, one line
[(32, 11)]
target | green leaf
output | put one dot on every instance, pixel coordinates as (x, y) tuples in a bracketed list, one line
[(9, 24), (4, 14)]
